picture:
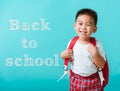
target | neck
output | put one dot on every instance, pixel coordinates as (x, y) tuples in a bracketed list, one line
[(84, 41)]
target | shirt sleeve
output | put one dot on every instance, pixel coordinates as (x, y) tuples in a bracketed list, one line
[(100, 49)]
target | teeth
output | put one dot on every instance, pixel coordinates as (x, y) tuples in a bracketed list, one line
[(82, 32)]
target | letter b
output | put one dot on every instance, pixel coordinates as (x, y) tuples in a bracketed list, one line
[(14, 25)]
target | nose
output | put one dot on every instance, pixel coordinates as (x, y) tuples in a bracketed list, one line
[(83, 27)]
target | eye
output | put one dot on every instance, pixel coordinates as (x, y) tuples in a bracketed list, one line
[(89, 24), (80, 23)]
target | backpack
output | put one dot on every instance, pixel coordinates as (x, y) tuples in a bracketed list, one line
[(105, 70)]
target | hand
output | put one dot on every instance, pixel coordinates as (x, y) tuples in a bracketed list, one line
[(97, 58), (67, 53), (92, 49)]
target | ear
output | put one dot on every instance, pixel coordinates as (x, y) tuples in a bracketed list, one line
[(95, 29), (75, 26)]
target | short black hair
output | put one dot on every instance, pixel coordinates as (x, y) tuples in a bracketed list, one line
[(89, 12)]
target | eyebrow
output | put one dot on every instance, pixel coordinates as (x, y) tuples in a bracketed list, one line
[(87, 22)]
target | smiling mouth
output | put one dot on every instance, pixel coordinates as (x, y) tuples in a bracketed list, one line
[(83, 32)]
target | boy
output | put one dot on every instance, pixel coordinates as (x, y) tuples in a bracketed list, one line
[(87, 58)]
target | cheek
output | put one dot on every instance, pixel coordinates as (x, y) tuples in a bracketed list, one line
[(77, 28), (91, 30)]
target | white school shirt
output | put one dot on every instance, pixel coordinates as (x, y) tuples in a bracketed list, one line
[(82, 63)]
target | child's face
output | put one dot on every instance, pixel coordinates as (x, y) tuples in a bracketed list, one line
[(85, 26)]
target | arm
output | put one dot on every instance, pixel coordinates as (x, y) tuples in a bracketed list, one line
[(97, 58)]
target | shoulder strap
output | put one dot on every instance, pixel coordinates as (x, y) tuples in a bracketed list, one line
[(72, 43), (93, 41)]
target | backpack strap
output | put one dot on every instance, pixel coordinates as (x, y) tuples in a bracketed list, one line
[(93, 41), (72, 43)]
